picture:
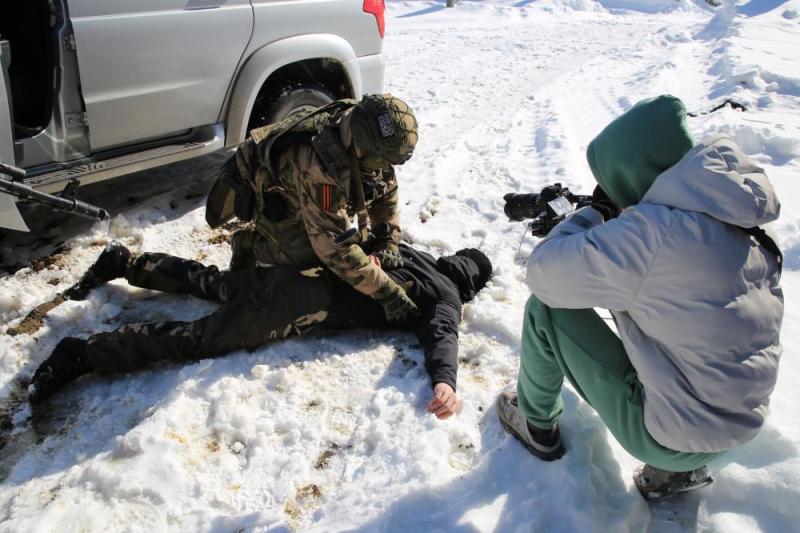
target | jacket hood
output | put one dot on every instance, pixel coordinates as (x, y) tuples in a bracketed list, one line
[(717, 178), (469, 269), (628, 155)]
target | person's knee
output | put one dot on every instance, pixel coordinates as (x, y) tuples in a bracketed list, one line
[(536, 311), (242, 240)]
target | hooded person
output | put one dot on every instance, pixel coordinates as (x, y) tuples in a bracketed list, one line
[(693, 284), (264, 304)]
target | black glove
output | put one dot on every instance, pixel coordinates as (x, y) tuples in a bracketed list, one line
[(550, 193), (389, 257), (603, 204), (398, 306), (381, 245)]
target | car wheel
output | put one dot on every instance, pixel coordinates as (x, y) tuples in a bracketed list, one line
[(290, 102)]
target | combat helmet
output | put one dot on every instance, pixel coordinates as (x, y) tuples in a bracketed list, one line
[(384, 130)]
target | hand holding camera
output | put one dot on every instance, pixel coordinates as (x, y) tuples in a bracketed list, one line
[(553, 204), (546, 209), (602, 203)]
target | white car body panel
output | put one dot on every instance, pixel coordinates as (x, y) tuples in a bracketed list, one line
[(9, 214), (151, 69), (278, 19), (371, 68)]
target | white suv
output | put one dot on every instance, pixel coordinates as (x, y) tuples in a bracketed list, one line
[(93, 89)]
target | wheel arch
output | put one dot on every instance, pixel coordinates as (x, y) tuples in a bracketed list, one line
[(270, 63)]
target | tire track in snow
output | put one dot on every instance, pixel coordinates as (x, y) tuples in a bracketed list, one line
[(470, 131)]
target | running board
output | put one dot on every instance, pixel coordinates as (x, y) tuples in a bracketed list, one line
[(208, 139)]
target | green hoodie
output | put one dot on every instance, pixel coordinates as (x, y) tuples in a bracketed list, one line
[(639, 145)]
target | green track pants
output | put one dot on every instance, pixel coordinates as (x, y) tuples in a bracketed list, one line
[(577, 343)]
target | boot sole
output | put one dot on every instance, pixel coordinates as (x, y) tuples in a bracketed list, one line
[(653, 496)]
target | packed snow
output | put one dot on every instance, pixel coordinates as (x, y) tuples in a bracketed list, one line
[(330, 432)]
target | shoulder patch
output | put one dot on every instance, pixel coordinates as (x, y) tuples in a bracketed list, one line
[(327, 197)]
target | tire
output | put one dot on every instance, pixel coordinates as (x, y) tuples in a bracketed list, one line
[(290, 101)]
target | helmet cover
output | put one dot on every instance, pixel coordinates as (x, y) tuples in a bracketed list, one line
[(384, 129)]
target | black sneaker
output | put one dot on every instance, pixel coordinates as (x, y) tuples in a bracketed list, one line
[(110, 264), (67, 363), (543, 443), (654, 483)]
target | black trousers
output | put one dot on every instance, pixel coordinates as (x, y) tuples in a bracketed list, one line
[(257, 305)]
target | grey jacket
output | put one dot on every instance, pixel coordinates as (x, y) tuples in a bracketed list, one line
[(697, 301)]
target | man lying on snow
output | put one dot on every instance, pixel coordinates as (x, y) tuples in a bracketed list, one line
[(694, 287), (264, 304)]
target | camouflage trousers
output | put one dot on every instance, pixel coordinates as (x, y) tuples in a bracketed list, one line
[(257, 306)]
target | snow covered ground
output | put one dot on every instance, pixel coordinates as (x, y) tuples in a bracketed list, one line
[(330, 433)]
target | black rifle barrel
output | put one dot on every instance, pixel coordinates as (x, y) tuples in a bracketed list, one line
[(22, 191), (14, 172)]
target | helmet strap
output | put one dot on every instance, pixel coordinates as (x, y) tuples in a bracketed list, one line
[(344, 129), (358, 192)]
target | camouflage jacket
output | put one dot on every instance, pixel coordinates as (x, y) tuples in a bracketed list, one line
[(304, 203)]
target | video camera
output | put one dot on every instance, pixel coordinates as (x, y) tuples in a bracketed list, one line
[(546, 209)]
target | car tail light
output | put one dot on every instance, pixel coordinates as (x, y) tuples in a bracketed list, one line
[(376, 7)]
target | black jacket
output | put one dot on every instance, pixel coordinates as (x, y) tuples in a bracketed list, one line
[(439, 287)]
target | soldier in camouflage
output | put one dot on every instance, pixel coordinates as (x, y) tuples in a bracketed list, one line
[(301, 182)]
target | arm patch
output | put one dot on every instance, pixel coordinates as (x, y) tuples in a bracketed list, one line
[(328, 197)]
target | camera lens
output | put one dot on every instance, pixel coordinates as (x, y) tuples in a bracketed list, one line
[(521, 206)]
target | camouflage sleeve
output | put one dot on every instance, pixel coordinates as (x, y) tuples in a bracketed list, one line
[(385, 208), (247, 159), (323, 204), (234, 191)]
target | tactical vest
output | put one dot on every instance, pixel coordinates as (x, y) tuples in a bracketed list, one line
[(263, 173), (320, 127), (274, 220), (277, 213)]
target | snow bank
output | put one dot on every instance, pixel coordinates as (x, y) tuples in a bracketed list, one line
[(651, 6), (754, 43), (427, 7)]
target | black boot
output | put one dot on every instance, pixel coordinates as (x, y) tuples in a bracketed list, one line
[(67, 363), (110, 264)]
